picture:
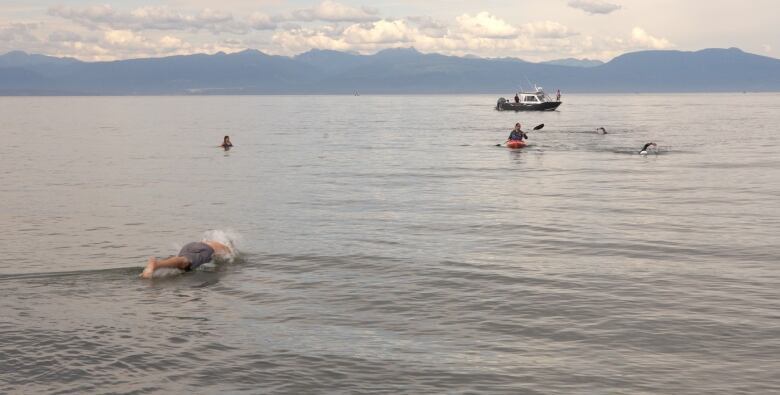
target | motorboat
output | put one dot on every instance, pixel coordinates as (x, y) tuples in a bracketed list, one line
[(529, 101)]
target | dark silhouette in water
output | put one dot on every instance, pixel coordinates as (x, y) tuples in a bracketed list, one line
[(226, 144), (643, 151)]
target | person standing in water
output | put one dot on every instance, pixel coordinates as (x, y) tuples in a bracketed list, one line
[(558, 95), (190, 257), (226, 144)]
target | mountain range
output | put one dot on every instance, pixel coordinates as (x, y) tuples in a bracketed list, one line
[(402, 70)]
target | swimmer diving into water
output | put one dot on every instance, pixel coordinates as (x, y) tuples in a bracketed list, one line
[(190, 257)]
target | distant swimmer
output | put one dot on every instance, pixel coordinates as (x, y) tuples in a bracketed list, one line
[(601, 130), (226, 144), (190, 257), (644, 149)]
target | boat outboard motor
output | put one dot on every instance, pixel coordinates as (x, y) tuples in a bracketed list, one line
[(500, 104)]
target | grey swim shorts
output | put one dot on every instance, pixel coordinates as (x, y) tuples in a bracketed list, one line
[(197, 253)]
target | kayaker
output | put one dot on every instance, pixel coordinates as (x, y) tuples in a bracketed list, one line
[(226, 144), (517, 133)]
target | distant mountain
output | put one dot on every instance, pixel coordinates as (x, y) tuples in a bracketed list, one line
[(572, 62), (403, 70), (23, 59)]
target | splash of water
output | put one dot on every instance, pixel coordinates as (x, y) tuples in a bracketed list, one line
[(228, 237)]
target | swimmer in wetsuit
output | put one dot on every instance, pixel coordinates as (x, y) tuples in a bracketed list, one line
[(190, 257), (643, 151), (226, 144)]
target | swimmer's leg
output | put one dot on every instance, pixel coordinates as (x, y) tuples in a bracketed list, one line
[(178, 262)]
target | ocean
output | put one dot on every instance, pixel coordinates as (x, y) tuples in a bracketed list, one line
[(388, 246)]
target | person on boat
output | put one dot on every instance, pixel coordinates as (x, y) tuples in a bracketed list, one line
[(190, 257), (517, 98), (226, 144), (558, 95), (644, 149), (517, 134)]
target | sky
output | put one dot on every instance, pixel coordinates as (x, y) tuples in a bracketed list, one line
[(533, 30)]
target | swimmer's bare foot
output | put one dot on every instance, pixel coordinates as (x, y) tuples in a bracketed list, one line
[(151, 264)]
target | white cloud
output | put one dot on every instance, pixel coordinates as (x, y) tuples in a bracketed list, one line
[(547, 29), (380, 32), (260, 21), (485, 25), (642, 39), (298, 40), (594, 6), (332, 11), (428, 26), (151, 17), (487, 39)]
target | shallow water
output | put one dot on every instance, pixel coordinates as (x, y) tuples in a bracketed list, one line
[(388, 246)]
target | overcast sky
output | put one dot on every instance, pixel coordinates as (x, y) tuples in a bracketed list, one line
[(534, 30)]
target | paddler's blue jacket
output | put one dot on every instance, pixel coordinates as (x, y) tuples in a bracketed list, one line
[(517, 135)]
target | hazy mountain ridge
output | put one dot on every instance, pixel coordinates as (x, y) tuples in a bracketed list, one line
[(402, 70), (574, 62)]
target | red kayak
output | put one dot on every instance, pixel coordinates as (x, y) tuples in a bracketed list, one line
[(516, 144)]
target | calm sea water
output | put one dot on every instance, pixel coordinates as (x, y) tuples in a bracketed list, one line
[(388, 246)]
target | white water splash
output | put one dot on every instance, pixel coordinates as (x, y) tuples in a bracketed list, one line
[(228, 237), (166, 272)]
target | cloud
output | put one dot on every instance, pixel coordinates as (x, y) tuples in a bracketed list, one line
[(641, 38), (123, 44), (487, 39), (260, 21), (296, 40), (380, 32), (331, 11), (428, 26), (18, 32), (64, 36), (594, 6), (151, 17), (485, 25), (547, 29)]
